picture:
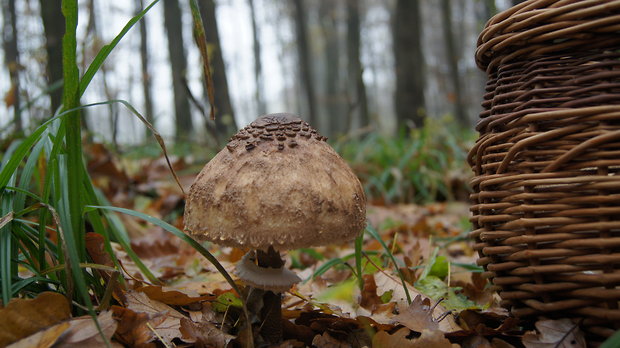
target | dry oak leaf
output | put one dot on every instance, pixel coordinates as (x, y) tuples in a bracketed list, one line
[(23, 317), (204, 334), (42, 339), (84, 333), (327, 341), (164, 320), (132, 330), (369, 298), (399, 339), (172, 296), (562, 333), (418, 316)]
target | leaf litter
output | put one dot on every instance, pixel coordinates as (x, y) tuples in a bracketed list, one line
[(193, 305)]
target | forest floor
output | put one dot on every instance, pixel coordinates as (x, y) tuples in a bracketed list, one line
[(434, 296)]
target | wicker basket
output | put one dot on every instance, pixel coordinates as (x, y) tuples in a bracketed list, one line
[(546, 201)]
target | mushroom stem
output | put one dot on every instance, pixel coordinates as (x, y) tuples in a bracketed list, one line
[(271, 313)]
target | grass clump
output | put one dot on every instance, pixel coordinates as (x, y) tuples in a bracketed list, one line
[(420, 165)]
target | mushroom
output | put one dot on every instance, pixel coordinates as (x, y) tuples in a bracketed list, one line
[(276, 186)]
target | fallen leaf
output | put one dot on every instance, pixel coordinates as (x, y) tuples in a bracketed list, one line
[(164, 321), (327, 341), (398, 339), (84, 333), (418, 316), (562, 333), (42, 339), (132, 330), (369, 298), (172, 296), (435, 339), (23, 317), (204, 334)]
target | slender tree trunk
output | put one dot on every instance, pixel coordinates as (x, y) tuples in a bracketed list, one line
[(224, 116), (54, 26), (174, 29), (333, 98), (460, 109), (409, 63), (303, 52), (258, 66), (357, 89), (11, 58), (146, 76)]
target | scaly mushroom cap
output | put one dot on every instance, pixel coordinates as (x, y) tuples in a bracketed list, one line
[(277, 183)]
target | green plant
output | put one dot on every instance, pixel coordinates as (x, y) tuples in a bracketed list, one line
[(47, 202), (417, 166)]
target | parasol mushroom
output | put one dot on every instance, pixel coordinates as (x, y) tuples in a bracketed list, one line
[(276, 186)]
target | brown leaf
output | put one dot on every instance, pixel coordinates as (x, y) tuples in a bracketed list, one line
[(171, 296), (21, 318), (327, 341), (132, 330), (369, 299), (418, 316), (204, 334), (84, 333), (42, 339), (435, 339), (399, 339), (562, 333), (164, 320)]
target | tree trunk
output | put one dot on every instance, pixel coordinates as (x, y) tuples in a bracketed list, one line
[(146, 76), (358, 102), (174, 29), (224, 115), (303, 52), (258, 67), (460, 109), (11, 58), (333, 98), (54, 26), (409, 63)]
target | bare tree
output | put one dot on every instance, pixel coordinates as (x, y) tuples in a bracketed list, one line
[(224, 115), (144, 64), (453, 63), (11, 58), (173, 23), (333, 100), (303, 53), (357, 89), (258, 67), (409, 63), (54, 26)]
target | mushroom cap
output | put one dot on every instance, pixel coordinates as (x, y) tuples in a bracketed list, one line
[(277, 183)]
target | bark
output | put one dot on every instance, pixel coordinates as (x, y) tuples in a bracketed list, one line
[(358, 102), (305, 68), (333, 99), (460, 109), (144, 65), (11, 58), (258, 67), (174, 29), (409, 63), (54, 26), (224, 115)]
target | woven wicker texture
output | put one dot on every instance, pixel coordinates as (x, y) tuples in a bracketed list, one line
[(546, 200)]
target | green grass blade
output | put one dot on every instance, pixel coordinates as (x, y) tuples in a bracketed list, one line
[(371, 230), (107, 49), (612, 342), (168, 227)]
